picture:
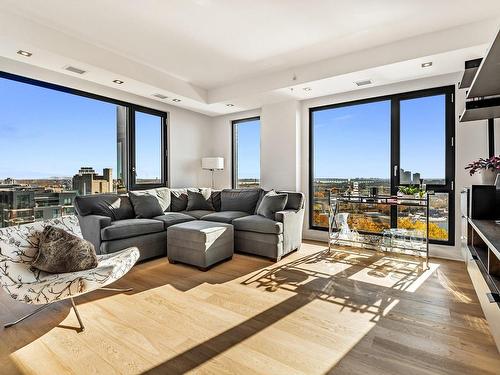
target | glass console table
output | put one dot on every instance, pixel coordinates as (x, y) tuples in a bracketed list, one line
[(412, 240)]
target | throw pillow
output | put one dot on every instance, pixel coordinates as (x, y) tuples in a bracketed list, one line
[(271, 203), (146, 204), (163, 195), (180, 199), (199, 201), (62, 252)]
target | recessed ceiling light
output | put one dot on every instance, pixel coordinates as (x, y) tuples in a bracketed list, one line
[(73, 69), (363, 83), (307, 89), (24, 53), (176, 100), (117, 81), (160, 96), (229, 105), (427, 64)]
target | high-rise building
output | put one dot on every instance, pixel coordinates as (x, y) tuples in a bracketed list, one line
[(87, 181), (405, 177), (27, 204), (416, 178)]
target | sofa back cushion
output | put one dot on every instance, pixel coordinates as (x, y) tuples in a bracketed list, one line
[(215, 197), (239, 200), (295, 200), (146, 204), (114, 206)]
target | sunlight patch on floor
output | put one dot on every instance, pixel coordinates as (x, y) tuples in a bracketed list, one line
[(394, 273)]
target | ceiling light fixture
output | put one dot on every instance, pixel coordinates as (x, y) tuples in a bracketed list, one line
[(176, 100), (160, 96), (307, 89), (427, 64), (363, 83), (73, 69), (24, 53), (117, 81), (229, 105)]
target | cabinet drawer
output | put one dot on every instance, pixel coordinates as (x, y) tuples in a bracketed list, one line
[(491, 310)]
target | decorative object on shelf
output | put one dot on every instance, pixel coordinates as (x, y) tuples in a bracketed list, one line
[(489, 168), (212, 164)]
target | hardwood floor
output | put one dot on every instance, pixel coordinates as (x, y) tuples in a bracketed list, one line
[(345, 312)]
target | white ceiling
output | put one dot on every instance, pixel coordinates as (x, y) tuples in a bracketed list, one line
[(210, 52)]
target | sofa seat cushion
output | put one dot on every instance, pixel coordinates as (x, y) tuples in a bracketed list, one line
[(224, 216), (172, 218), (130, 228), (258, 224), (197, 214)]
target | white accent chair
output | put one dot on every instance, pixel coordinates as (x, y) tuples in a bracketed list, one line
[(18, 249)]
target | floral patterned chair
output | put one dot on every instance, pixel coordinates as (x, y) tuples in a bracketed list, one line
[(18, 248)]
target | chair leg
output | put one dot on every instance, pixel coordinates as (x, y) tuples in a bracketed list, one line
[(26, 316), (117, 289), (82, 327)]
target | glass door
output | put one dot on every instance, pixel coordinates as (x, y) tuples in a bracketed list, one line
[(148, 150)]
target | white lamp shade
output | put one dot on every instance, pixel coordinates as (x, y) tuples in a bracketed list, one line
[(212, 163)]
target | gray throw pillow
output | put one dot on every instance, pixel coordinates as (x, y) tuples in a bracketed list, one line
[(62, 252), (179, 199), (199, 201), (271, 203), (146, 204)]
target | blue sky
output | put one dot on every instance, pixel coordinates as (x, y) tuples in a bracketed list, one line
[(249, 149), (45, 133), (354, 141), (148, 145)]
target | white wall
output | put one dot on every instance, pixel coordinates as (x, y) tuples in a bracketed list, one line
[(280, 158), (221, 144), (280, 165), (189, 132)]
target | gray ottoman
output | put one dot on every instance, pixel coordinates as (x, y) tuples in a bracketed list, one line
[(200, 243)]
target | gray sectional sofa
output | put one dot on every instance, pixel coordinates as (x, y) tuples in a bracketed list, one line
[(110, 222)]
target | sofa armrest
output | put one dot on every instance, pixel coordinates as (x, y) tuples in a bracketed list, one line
[(91, 226), (292, 228)]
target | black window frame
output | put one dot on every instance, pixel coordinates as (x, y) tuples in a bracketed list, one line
[(234, 148), (131, 147), (130, 131), (395, 99)]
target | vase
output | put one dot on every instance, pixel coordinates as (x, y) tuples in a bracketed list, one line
[(488, 176), (345, 232)]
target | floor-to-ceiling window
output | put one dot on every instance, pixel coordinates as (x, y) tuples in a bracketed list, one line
[(246, 153), (376, 146), (57, 143), (148, 145)]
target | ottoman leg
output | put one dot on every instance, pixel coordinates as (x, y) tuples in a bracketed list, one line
[(171, 261), (204, 269)]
